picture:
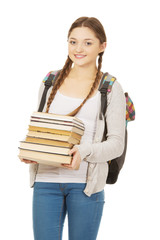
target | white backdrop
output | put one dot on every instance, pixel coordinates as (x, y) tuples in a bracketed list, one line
[(34, 42)]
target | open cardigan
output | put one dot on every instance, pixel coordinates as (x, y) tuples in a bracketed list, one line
[(98, 153)]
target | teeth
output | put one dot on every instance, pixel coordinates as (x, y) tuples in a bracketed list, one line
[(80, 56)]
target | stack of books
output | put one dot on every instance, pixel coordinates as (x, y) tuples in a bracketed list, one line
[(50, 137)]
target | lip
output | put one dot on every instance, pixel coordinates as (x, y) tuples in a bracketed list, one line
[(79, 56)]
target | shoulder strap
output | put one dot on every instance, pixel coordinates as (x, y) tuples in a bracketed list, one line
[(105, 87), (49, 81), (50, 77)]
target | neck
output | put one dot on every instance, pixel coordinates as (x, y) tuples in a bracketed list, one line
[(83, 73)]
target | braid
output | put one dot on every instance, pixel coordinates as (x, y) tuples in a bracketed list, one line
[(98, 77), (63, 74)]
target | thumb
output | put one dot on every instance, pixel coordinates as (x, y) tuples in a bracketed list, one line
[(72, 150)]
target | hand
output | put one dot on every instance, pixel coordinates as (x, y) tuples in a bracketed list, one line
[(27, 161), (76, 160)]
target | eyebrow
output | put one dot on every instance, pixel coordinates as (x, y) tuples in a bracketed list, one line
[(84, 39)]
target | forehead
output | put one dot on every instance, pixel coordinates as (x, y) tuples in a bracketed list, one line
[(82, 33)]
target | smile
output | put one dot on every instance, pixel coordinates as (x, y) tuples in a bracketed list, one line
[(79, 56)]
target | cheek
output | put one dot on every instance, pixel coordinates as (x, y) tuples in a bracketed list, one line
[(71, 53), (71, 49), (93, 53)]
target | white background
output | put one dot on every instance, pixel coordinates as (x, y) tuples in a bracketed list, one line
[(34, 42)]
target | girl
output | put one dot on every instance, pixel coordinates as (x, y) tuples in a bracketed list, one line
[(79, 193)]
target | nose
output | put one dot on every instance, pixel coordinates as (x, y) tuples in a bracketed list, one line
[(79, 48)]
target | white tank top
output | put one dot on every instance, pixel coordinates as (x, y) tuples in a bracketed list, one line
[(63, 105)]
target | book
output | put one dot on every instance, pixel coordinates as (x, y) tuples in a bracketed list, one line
[(52, 136), (44, 148), (48, 142), (45, 158), (59, 122), (55, 131), (61, 127), (58, 117)]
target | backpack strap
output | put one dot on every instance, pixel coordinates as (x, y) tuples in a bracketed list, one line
[(48, 81), (50, 77), (105, 87)]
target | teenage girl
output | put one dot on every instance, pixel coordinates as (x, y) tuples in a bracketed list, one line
[(79, 193)]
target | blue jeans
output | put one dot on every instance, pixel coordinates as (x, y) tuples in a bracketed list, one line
[(51, 202)]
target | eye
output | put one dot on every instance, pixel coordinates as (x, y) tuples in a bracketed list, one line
[(88, 43), (72, 42)]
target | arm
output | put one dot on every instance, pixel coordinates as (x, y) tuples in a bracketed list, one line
[(115, 119)]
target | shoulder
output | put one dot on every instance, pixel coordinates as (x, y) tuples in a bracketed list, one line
[(116, 92), (114, 84), (117, 87)]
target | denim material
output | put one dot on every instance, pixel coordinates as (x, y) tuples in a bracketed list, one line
[(51, 203)]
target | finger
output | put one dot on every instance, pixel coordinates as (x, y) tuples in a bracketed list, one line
[(67, 166), (72, 150), (28, 161), (73, 167)]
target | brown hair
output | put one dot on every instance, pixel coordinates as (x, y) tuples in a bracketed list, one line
[(95, 25)]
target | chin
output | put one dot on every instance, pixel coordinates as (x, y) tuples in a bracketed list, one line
[(81, 62)]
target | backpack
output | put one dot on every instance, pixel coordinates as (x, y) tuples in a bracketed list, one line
[(105, 87), (115, 165)]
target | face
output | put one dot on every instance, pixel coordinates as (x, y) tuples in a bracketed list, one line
[(84, 46)]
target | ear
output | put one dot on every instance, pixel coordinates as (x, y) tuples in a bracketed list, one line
[(103, 47)]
